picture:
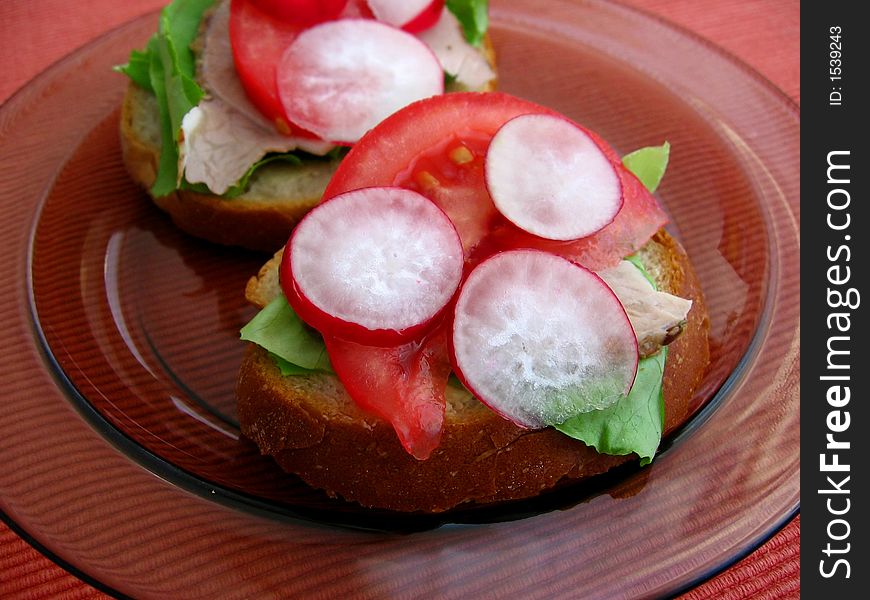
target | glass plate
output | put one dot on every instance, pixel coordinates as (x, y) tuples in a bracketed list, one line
[(121, 452)]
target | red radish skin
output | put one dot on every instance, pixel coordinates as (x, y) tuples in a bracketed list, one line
[(411, 15), (540, 339), (341, 78), (426, 19), (550, 178), (358, 9), (404, 385), (375, 266)]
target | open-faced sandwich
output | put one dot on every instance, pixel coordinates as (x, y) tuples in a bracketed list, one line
[(239, 111), (484, 306)]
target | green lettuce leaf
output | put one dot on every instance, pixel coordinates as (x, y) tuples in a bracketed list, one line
[(634, 424), (179, 23), (637, 262), (473, 16), (288, 369), (167, 167), (170, 76), (649, 164), (138, 68), (280, 331)]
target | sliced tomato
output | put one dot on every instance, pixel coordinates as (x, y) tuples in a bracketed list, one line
[(436, 147), (451, 175), (302, 12), (258, 41), (403, 385), (388, 150)]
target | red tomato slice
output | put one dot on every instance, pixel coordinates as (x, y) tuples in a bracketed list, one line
[(259, 39), (302, 12), (404, 386), (452, 176), (416, 148), (436, 147), (389, 149)]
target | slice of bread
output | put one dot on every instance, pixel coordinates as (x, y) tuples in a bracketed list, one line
[(310, 426), (260, 219), (279, 194)]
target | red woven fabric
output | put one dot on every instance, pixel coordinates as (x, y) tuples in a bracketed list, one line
[(763, 33)]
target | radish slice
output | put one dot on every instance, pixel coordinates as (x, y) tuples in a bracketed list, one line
[(374, 266), (540, 339), (550, 178), (410, 15), (341, 78)]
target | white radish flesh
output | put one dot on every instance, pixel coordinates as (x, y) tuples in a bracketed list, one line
[(550, 178), (341, 78), (540, 339), (398, 13), (374, 265)]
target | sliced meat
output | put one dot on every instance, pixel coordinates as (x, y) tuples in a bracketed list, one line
[(219, 145), (658, 318)]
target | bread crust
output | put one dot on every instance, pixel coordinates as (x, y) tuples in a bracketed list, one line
[(312, 428), (254, 220)]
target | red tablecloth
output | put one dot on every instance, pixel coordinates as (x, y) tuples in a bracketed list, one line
[(763, 33)]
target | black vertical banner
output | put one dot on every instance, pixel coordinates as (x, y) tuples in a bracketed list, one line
[(835, 300)]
